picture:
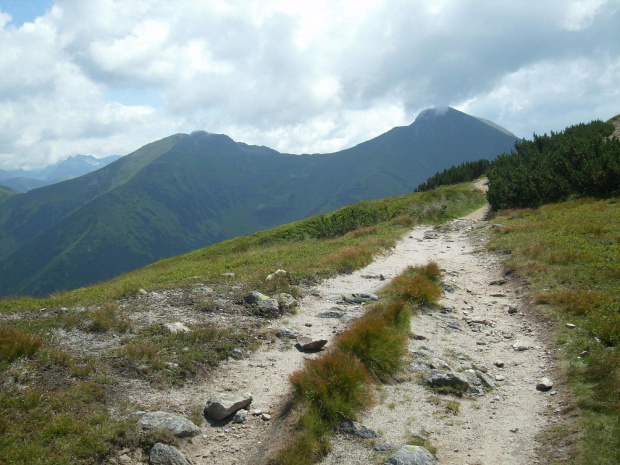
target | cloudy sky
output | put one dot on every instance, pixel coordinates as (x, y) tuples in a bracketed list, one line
[(105, 77)]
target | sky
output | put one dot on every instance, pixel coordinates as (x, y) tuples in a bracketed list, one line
[(104, 77)]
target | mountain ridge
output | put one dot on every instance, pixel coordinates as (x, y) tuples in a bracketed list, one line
[(187, 191)]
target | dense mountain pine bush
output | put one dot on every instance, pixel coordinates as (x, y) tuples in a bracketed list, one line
[(464, 172), (577, 162)]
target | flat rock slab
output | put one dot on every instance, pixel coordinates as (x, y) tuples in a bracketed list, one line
[(179, 426), (223, 405), (411, 455), (357, 429), (163, 454), (309, 344), (359, 298), (287, 332), (331, 314)]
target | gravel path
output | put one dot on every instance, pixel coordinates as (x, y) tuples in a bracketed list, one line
[(497, 428), (476, 328)]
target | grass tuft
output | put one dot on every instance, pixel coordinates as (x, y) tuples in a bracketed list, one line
[(14, 344), (378, 345), (337, 384)]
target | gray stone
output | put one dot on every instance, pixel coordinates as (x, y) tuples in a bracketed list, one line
[(359, 298), (418, 365), (347, 317), (383, 447), (223, 405), (486, 379), (286, 302), (440, 378), (264, 303), (431, 234), (288, 332), (177, 327), (163, 454), (357, 429), (240, 416), (331, 314), (520, 346), (411, 455), (179, 426), (438, 364), (545, 384), (309, 344), (476, 385), (453, 325), (237, 354)]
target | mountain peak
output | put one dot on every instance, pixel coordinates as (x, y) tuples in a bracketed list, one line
[(435, 112)]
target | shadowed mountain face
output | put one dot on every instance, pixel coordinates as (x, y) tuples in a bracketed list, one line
[(188, 191)]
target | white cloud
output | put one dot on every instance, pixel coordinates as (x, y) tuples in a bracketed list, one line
[(106, 76)]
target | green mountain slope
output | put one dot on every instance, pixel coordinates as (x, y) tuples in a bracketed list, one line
[(189, 191)]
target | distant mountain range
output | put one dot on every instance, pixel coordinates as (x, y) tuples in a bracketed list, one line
[(188, 191), (73, 167)]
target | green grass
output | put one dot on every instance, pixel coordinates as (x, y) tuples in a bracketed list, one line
[(45, 387), (570, 255)]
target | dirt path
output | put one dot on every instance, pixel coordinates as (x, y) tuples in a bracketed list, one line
[(473, 329), (497, 428)]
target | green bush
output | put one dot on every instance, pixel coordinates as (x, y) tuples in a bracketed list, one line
[(465, 172), (578, 162)]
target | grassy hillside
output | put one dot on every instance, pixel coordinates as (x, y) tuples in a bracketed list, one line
[(56, 401)]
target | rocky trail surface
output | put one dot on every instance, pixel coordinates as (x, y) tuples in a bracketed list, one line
[(480, 330)]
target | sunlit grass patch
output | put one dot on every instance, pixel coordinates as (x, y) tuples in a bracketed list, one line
[(348, 259)]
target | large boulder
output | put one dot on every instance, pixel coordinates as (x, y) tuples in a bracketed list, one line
[(223, 405), (411, 455), (163, 454), (179, 426)]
